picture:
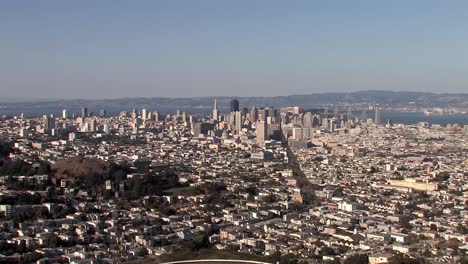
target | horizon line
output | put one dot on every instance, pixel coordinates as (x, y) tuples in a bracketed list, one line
[(43, 100)]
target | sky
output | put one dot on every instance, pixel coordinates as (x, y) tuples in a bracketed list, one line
[(178, 48)]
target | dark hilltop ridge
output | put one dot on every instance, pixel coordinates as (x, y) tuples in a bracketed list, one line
[(203, 105)]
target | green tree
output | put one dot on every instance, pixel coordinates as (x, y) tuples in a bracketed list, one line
[(357, 259), (288, 259)]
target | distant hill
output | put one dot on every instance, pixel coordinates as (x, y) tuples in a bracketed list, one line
[(203, 105)]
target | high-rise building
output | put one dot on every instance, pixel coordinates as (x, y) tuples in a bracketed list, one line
[(232, 118), (377, 114), (215, 111), (106, 129), (272, 113), (102, 113), (307, 119), (262, 114), (297, 133), (325, 123), (254, 114), (202, 128), (144, 114), (234, 105), (92, 125), (84, 112), (332, 125), (49, 123), (261, 133), (307, 132), (23, 132), (238, 122), (290, 109), (65, 114), (316, 121), (274, 131)]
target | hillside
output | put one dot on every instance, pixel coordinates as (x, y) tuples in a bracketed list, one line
[(77, 168)]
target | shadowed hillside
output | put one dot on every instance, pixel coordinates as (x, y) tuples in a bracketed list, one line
[(79, 167)]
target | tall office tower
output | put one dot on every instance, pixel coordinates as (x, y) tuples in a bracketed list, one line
[(274, 131), (261, 133), (134, 128), (49, 123), (92, 125), (332, 125), (285, 119), (262, 114), (80, 121), (272, 113), (254, 114), (234, 104), (134, 113), (202, 128), (156, 115), (238, 122), (65, 114), (270, 120), (307, 133), (23, 132), (325, 123), (307, 119), (348, 115), (215, 111), (144, 114), (106, 129), (102, 113), (316, 121), (232, 118), (178, 113), (189, 122), (84, 112), (377, 114), (297, 133)]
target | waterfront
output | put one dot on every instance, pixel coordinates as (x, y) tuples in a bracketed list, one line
[(415, 117)]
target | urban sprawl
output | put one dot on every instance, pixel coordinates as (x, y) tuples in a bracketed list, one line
[(319, 186)]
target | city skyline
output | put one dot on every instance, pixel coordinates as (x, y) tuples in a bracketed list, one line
[(56, 50)]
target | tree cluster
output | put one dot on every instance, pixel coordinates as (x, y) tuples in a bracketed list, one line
[(22, 168)]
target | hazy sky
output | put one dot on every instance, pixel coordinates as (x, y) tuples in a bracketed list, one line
[(183, 48)]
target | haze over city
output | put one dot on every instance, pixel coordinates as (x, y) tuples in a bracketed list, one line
[(113, 49)]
